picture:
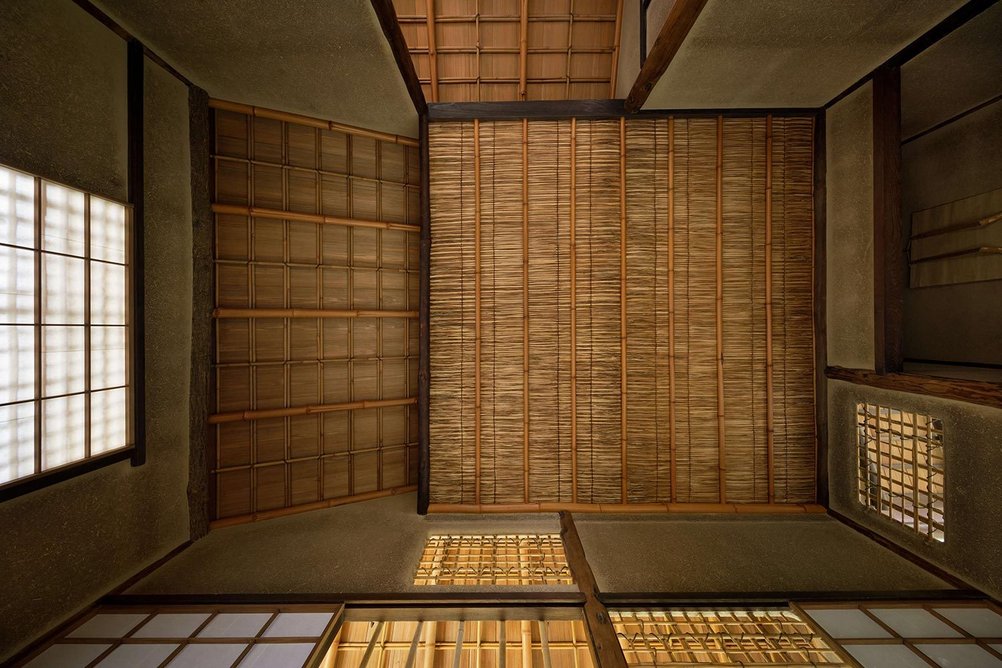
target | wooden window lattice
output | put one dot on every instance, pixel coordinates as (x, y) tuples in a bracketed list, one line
[(536, 559), (901, 467), (720, 637)]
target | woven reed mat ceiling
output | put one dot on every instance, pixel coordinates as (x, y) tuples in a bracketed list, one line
[(507, 50), (622, 312)]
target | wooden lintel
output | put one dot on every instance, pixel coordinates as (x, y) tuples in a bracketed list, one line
[(681, 17), (969, 391)]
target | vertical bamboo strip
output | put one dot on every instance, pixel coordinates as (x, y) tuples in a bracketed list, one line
[(768, 303), (526, 643), (476, 301), (671, 303), (574, 339), (430, 643), (615, 49), (432, 63), (721, 464), (525, 307), (622, 305), (523, 48)]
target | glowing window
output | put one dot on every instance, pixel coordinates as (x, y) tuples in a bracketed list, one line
[(901, 467), (64, 326), (536, 559)]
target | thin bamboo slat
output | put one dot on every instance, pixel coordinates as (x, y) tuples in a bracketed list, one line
[(620, 273), (258, 212)]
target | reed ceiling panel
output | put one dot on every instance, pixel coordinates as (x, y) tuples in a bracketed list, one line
[(507, 50), (622, 313), (316, 274)]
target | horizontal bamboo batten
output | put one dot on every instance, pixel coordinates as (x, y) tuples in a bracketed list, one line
[(221, 313), (258, 212), (316, 277), (238, 416), (261, 112), (544, 507), (622, 312), (320, 505)]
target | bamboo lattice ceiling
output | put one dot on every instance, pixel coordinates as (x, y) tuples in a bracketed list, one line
[(508, 50)]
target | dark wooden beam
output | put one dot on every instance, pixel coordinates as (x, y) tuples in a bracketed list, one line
[(116, 28), (681, 17), (958, 18), (461, 599), (970, 391), (820, 310), (387, 16), (540, 110), (136, 62), (890, 265), (601, 633), (424, 322)]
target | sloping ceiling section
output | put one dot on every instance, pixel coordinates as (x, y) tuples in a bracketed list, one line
[(470, 50), (788, 53), (313, 57)]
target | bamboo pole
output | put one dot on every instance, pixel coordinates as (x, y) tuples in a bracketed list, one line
[(769, 399), (227, 313), (476, 320), (317, 505), (614, 74), (544, 641), (722, 451), (628, 508), (525, 307), (239, 416), (429, 645), (523, 46), (413, 649), (623, 406), (574, 336), (457, 657), (432, 51), (258, 212), (526, 643), (261, 112), (671, 305)]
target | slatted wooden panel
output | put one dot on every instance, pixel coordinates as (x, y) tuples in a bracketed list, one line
[(493, 50), (273, 181), (668, 314)]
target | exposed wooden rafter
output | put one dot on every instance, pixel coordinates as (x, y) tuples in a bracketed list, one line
[(681, 17), (523, 47), (387, 16)]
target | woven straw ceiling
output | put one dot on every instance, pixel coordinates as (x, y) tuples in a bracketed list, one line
[(505, 50)]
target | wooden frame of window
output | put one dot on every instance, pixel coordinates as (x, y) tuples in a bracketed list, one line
[(74, 251)]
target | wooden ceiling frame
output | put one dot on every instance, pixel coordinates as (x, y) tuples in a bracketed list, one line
[(681, 17)]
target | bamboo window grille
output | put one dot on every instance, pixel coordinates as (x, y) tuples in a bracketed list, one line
[(901, 467), (524, 559), (720, 637)]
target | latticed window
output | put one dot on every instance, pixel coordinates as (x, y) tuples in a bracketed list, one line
[(64, 326), (524, 559), (901, 467), (720, 637)]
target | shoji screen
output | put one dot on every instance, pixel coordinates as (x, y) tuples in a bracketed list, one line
[(316, 320), (621, 312)]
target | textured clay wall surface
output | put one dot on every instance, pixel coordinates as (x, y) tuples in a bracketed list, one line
[(63, 110)]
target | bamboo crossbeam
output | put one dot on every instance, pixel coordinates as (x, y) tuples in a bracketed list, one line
[(673, 495), (979, 250), (261, 112), (525, 305), (617, 32), (242, 416), (227, 313), (957, 227), (258, 212), (476, 321), (719, 301), (318, 505), (432, 51), (769, 396), (622, 311), (523, 45), (627, 508), (573, 323)]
